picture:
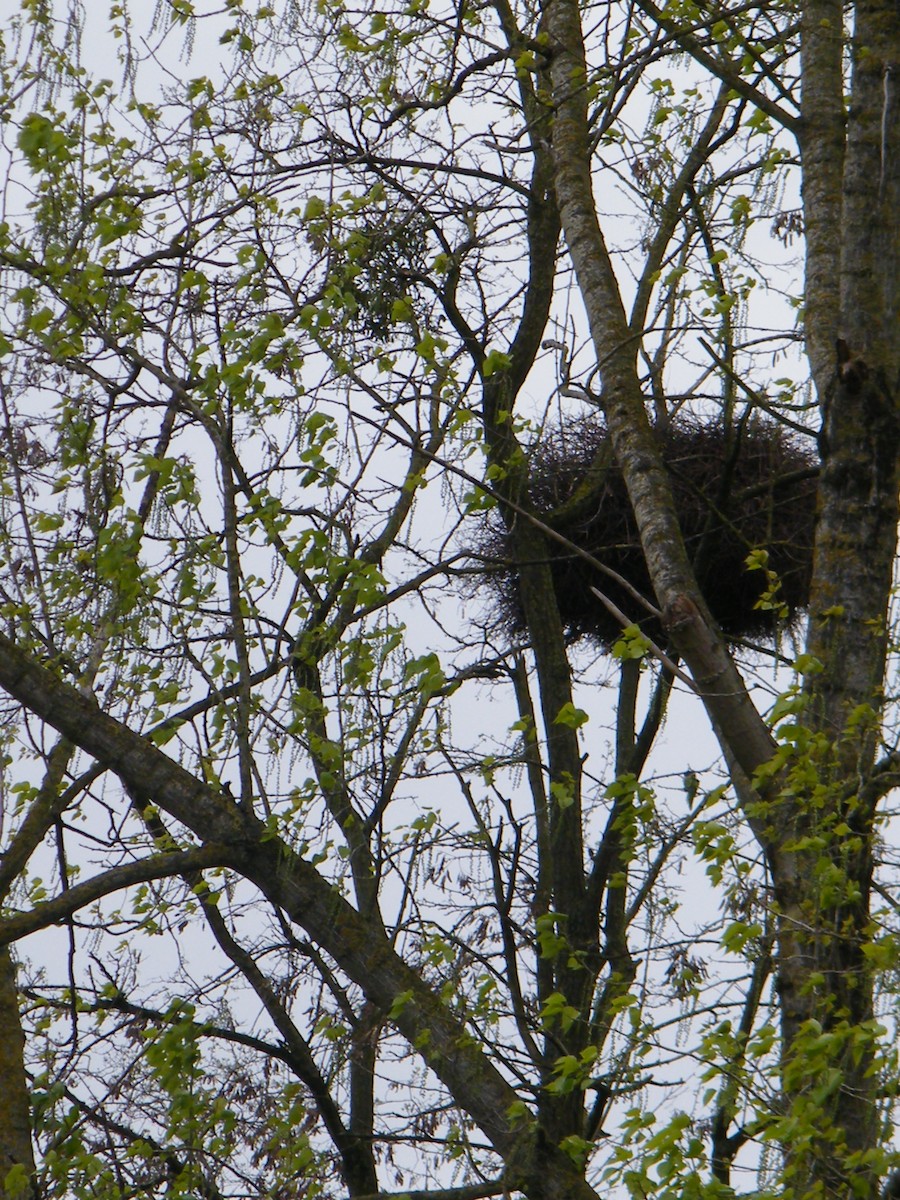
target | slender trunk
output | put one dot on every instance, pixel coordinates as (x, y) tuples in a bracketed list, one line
[(16, 1152), (822, 149), (738, 724)]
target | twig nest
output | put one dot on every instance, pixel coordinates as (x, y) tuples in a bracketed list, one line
[(746, 497)]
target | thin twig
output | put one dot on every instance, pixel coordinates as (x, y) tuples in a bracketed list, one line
[(655, 650)]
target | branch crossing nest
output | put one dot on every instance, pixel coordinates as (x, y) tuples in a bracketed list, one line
[(749, 490)]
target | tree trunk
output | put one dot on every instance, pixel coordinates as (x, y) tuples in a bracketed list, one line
[(16, 1152), (823, 880)]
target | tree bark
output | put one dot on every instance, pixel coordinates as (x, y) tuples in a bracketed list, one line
[(16, 1151), (823, 878)]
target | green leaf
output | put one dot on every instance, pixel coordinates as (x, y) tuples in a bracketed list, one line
[(563, 793), (494, 361), (400, 1003), (571, 716), (632, 644)]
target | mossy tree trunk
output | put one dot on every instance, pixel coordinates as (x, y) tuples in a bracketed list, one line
[(826, 938)]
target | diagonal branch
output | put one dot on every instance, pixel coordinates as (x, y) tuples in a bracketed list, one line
[(720, 67), (294, 885), (158, 866)]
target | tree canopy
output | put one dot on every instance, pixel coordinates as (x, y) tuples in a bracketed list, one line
[(448, 511)]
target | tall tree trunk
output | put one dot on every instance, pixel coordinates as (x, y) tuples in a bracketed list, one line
[(851, 194), (16, 1151)]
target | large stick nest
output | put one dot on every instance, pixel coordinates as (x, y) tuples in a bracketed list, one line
[(750, 487)]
